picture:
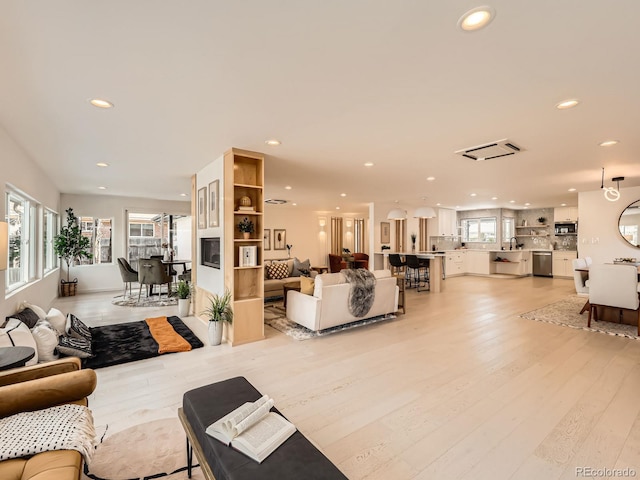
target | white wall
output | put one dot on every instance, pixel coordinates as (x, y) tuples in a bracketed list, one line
[(209, 278), (598, 234), (22, 173), (106, 277)]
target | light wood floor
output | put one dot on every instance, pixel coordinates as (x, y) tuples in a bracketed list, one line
[(459, 387)]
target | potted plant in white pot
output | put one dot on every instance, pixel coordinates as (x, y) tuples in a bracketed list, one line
[(219, 311), (184, 298), (246, 227), (71, 245)]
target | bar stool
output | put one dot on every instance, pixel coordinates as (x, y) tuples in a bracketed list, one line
[(416, 271)]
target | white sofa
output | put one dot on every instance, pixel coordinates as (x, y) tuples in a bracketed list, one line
[(328, 306)]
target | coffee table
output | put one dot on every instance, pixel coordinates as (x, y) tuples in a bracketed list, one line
[(13, 357), (295, 459), (290, 286)]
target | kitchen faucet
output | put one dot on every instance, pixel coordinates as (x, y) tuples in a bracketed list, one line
[(510, 245)]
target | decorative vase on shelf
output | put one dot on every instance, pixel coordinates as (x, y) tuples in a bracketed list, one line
[(245, 235), (215, 333)]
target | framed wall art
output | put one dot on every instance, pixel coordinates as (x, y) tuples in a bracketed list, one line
[(202, 207), (266, 239), (213, 203), (385, 232), (279, 239)]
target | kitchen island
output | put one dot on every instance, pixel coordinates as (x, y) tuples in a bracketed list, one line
[(436, 265)]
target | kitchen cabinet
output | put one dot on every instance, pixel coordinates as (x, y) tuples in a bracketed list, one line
[(446, 223), (454, 263), (562, 263), (565, 214), (477, 262), (511, 262)]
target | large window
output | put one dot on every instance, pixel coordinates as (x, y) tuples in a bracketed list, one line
[(49, 230), (21, 216), (151, 233), (508, 229), (479, 230)]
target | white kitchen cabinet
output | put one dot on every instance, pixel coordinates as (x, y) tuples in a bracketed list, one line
[(478, 262), (565, 214), (511, 262), (562, 263), (454, 263), (447, 222)]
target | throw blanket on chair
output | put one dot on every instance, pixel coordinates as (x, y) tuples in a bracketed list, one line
[(168, 339), (65, 427), (362, 293)]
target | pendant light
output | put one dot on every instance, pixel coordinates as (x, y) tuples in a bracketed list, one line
[(610, 193), (397, 214), (424, 212)]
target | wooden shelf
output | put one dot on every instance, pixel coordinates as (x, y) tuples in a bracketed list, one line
[(239, 212), (503, 263), (543, 236), (244, 185), (247, 268), (532, 226)]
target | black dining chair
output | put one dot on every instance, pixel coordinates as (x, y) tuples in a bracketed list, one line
[(416, 271)]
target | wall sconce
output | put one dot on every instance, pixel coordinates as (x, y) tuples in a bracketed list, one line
[(610, 193), (4, 245)]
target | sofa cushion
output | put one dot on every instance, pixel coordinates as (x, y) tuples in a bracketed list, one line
[(57, 319), (26, 316), (17, 334), (277, 270), (46, 338), (77, 329), (74, 347), (307, 285), (301, 269), (36, 309)]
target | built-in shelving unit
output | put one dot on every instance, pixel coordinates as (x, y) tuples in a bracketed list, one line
[(535, 229), (244, 178)]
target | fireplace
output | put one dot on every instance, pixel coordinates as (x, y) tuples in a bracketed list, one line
[(210, 252)]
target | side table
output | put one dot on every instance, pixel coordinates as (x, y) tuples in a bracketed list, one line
[(12, 357), (401, 297), (289, 286)]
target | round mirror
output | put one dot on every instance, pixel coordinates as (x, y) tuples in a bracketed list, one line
[(629, 224)]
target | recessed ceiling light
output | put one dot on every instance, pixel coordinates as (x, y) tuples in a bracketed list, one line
[(294, 204), (100, 103), (102, 164), (527, 204), (438, 204), (457, 206), (572, 189), (287, 187), (102, 188), (474, 194), (476, 18), (494, 198), (273, 142), (343, 194), (368, 164), (563, 204), (431, 179), (567, 104), (512, 201), (608, 143), (337, 208), (183, 194)]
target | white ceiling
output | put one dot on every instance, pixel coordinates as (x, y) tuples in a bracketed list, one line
[(339, 83)]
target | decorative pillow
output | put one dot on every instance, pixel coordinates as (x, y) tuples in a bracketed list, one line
[(277, 271), (17, 334), (57, 320), (46, 339), (76, 329), (36, 309), (26, 316), (307, 285), (74, 347), (301, 269)]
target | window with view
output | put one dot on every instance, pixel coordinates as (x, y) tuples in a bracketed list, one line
[(99, 233), (49, 231), (508, 228), (479, 230), (153, 234), (21, 216)]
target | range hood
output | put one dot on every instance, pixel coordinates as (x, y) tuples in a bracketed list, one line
[(499, 148)]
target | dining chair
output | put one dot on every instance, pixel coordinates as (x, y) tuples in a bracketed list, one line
[(128, 274), (152, 272), (588, 260), (581, 281), (396, 263), (614, 286)]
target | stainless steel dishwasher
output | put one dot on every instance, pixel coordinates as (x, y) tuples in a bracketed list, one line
[(542, 264)]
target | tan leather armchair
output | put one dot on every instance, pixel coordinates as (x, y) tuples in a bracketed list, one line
[(41, 386)]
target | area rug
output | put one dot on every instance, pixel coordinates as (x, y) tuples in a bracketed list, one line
[(132, 301), (567, 313), (275, 317), (154, 449)]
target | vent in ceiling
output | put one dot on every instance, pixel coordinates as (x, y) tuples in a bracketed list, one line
[(500, 148), (275, 201)]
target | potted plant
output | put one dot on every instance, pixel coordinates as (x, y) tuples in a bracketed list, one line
[(219, 311), (246, 227), (542, 220), (184, 298), (71, 246)]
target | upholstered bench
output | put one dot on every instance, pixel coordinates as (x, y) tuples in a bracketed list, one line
[(295, 459)]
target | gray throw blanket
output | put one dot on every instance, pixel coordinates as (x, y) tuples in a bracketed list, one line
[(362, 293)]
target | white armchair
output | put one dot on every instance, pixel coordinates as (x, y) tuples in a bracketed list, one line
[(613, 286), (580, 278)]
